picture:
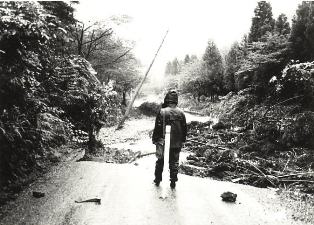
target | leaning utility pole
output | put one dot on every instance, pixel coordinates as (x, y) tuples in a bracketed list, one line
[(120, 125)]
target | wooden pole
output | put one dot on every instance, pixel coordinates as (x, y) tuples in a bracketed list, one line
[(120, 125)]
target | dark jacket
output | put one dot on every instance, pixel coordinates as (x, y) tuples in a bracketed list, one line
[(176, 118)]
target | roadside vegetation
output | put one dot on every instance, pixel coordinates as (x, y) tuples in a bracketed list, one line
[(60, 81)]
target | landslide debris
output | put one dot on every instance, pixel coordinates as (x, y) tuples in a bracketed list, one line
[(255, 156), (112, 155)]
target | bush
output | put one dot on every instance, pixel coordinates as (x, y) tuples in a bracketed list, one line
[(150, 108), (297, 80), (300, 130), (53, 131)]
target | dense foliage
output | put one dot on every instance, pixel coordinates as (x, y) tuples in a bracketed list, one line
[(262, 22), (48, 91), (302, 32), (297, 81)]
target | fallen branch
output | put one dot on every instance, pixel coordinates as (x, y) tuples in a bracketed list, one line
[(137, 154), (307, 181), (96, 200), (195, 113), (206, 143), (295, 97), (286, 165), (295, 174), (197, 142), (261, 172), (146, 154), (140, 155)]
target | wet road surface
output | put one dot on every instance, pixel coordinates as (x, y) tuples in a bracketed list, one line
[(128, 195)]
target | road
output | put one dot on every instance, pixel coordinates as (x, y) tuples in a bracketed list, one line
[(128, 196)]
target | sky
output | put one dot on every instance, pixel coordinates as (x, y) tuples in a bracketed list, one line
[(191, 23)]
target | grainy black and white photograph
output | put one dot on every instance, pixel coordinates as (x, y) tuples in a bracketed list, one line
[(146, 112)]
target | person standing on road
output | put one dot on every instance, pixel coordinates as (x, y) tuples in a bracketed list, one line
[(171, 115)]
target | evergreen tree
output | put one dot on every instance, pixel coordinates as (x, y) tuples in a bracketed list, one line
[(168, 68), (244, 45), (212, 70), (262, 22), (233, 64), (213, 65), (187, 59), (302, 32), (193, 58), (175, 67), (282, 25)]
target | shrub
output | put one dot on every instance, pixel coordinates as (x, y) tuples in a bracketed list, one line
[(150, 108), (300, 130), (297, 80)]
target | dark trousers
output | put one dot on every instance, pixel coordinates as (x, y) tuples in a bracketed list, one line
[(174, 154)]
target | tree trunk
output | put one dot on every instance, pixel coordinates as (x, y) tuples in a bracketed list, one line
[(124, 98), (80, 42), (91, 140)]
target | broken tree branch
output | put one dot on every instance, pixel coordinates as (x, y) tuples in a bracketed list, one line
[(279, 103), (119, 57)]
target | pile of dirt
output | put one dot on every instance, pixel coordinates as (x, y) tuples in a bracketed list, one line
[(247, 156)]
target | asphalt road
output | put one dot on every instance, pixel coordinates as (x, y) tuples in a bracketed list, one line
[(129, 197)]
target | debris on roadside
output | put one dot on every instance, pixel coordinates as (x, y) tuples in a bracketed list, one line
[(112, 155), (95, 200), (220, 126), (228, 196), (192, 170), (115, 155), (248, 156), (38, 194)]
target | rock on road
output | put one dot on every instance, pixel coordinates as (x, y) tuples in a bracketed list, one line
[(129, 197)]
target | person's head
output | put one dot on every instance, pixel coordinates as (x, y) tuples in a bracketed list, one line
[(171, 98)]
